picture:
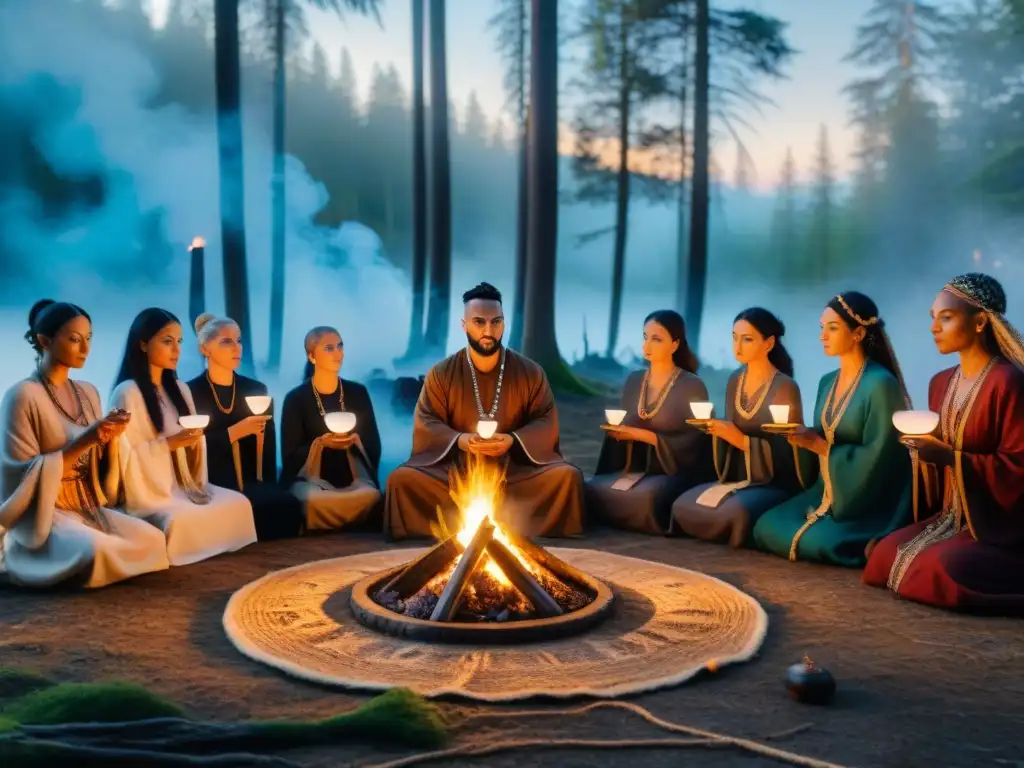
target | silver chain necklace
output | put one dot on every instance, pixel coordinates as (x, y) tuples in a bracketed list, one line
[(476, 387)]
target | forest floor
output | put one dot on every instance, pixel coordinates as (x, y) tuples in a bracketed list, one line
[(916, 686)]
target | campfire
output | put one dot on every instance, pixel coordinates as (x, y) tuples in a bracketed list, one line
[(483, 575)]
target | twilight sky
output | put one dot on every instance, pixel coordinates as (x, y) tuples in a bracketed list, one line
[(811, 96)]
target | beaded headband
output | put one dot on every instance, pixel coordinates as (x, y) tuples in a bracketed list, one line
[(986, 294), (860, 320)]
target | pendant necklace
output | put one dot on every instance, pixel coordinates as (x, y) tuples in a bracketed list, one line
[(476, 387)]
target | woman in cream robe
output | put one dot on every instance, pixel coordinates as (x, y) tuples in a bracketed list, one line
[(55, 524), (167, 485)]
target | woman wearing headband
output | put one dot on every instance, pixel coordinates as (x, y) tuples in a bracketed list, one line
[(965, 550), (863, 488), (60, 471)]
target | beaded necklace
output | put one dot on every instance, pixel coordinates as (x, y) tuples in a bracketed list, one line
[(757, 397), (476, 387), (82, 419), (319, 402), (641, 403)]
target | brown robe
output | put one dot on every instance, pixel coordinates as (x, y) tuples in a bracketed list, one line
[(544, 493)]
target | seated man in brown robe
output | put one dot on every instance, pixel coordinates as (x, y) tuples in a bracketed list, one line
[(486, 382)]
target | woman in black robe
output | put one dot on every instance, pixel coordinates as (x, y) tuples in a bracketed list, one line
[(234, 431), (334, 475)]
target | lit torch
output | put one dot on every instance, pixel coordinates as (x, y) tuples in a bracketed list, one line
[(197, 279)]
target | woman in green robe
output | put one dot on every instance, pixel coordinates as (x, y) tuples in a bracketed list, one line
[(863, 490)]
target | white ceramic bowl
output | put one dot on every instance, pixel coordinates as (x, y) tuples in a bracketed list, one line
[(915, 422), (194, 421), (486, 429), (340, 422), (258, 404), (614, 416), (780, 413), (702, 410)]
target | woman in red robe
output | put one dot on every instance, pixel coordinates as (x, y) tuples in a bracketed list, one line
[(969, 554)]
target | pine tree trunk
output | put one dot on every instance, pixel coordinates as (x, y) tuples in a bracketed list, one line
[(682, 229), (522, 201), (277, 255), (696, 278), (232, 178), (622, 191), (539, 341), (419, 188), (436, 337), (519, 296)]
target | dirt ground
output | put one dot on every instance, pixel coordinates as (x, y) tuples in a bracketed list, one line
[(917, 687)]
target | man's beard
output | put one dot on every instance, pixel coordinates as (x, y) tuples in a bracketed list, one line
[(481, 350)]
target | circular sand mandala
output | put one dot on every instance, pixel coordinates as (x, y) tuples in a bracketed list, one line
[(667, 625)]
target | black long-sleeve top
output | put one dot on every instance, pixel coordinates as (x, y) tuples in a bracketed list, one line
[(302, 423), (219, 463)]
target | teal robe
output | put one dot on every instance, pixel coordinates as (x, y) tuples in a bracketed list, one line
[(871, 480)]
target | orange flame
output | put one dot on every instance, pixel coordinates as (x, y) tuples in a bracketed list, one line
[(477, 492)]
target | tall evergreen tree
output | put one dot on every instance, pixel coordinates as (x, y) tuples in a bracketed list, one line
[(821, 245), (784, 237)]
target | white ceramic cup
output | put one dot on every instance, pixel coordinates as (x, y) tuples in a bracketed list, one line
[(258, 404), (702, 410), (915, 422), (194, 421), (340, 422), (614, 416), (780, 413)]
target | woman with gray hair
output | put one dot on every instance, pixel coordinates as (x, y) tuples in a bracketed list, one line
[(333, 473), (241, 451)]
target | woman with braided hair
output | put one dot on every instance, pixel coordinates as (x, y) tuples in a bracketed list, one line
[(965, 550), (863, 488)]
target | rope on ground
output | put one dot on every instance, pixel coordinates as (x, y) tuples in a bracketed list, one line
[(29, 751), (513, 744), (701, 738)]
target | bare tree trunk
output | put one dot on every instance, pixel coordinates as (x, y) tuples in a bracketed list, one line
[(419, 188), (436, 336), (232, 178), (696, 278), (682, 231), (519, 297), (277, 255), (539, 341), (622, 192)]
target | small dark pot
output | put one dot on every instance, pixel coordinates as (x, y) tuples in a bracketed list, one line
[(810, 684)]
